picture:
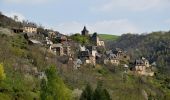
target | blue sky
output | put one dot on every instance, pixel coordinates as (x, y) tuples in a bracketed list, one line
[(102, 16)]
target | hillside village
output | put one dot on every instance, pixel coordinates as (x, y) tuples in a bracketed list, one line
[(83, 58), (62, 45)]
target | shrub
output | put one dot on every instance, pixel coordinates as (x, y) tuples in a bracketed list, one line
[(2, 73)]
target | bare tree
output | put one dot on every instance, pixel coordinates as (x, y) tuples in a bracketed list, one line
[(15, 17)]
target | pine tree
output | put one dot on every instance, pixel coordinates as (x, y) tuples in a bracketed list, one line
[(87, 93), (100, 93)]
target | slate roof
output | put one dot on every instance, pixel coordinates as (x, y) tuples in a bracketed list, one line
[(29, 25)]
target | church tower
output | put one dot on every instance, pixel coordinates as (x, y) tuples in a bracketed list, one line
[(85, 32)]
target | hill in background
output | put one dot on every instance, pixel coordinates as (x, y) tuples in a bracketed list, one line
[(108, 37)]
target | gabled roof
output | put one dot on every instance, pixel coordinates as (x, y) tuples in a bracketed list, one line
[(84, 29), (35, 41), (141, 61), (27, 24)]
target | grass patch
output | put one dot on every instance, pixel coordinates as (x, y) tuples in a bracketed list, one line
[(108, 37)]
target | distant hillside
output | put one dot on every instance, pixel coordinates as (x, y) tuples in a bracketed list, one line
[(154, 46), (108, 37)]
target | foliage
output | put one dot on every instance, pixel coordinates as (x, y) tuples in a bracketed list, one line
[(2, 73), (99, 94), (54, 88), (87, 93), (153, 46), (79, 38)]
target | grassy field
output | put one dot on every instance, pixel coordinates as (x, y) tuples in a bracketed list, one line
[(108, 37)]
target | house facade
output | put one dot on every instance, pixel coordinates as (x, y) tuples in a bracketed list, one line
[(88, 55), (96, 40), (29, 28), (143, 67), (60, 49), (112, 59), (121, 55)]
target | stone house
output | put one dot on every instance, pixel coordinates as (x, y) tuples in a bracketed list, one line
[(61, 38), (29, 28), (51, 34), (143, 67), (60, 49), (17, 30), (112, 59), (96, 40), (92, 50), (57, 49), (67, 50), (88, 54), (121, 55), (87, 58)]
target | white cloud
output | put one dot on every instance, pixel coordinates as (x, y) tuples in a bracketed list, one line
[(117, 27), (12, 14), (133, 5), (27, 1)]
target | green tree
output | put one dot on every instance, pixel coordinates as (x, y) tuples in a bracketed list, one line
[(2, 73), (79, 38), (54, 88), (100, 93), (87, 93), (43, 91)]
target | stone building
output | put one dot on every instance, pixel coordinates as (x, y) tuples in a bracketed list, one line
[(121, 55), (61, 38), (52, 34), (143, 67), (29, 28), (112, 59), (17, 30), (85, 32), (88, 55), (60, 49), (57, 49), (95, 39)]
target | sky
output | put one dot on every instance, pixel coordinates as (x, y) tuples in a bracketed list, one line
[(103, 16)]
